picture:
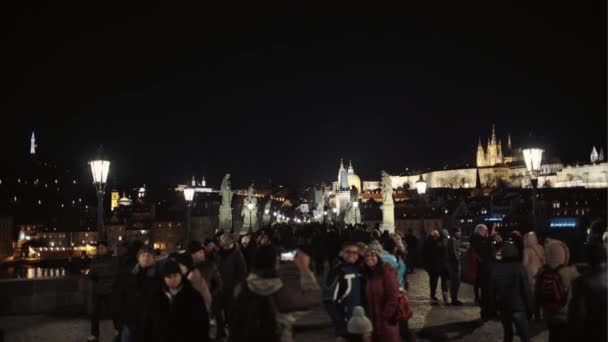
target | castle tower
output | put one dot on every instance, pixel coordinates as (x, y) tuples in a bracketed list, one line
[(499, 157), (509, 146), (33, 144), (594, 155), (481, 155), (601, 157)]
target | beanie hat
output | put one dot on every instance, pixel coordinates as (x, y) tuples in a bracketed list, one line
[(359, 323), (265, 258), (184, 259), (145, 249), (374, 248), (169, 267), (194, 246), (227, 240)]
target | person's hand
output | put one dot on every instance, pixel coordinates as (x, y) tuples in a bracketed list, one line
[(302, 260)]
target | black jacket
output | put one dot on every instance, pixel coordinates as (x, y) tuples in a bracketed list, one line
[(435, 255), (132, 294), (103, 271), (587, 312), (484, 248), (180, 317), (212, 276), (510, 288), (233, 269)]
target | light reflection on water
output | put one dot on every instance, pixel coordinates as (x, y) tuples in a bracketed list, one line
[(32, 272)]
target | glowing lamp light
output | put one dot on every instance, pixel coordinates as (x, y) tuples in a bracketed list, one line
[(100, 169), (533, 157), (189, 194), (421, 186)]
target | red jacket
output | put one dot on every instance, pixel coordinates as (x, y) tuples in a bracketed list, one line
[(381, 295)]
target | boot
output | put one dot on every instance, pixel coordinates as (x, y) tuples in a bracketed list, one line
[(445, 298)]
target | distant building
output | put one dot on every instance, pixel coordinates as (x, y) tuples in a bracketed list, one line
[(6, 236)]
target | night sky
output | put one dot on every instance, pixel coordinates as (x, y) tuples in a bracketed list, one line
[(284, 93)]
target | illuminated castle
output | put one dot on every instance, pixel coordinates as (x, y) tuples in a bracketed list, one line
[(494, 154)]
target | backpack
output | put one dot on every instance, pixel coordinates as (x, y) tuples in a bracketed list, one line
[(550, 290), (254, 317)]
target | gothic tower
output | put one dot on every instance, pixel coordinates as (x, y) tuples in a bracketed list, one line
[(481, 155)]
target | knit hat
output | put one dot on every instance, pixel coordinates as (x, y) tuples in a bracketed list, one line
[(145, 249), (265, 258), (227, 240), (359, 323), (374, 248), (194, 246), (362, 247), (169, 267)]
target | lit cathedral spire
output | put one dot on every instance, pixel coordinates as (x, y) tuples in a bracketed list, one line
[(493, 135), (33, 144)]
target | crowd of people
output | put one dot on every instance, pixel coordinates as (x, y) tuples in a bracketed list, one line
[(230, 287)]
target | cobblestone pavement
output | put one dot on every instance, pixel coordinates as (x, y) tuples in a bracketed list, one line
[(430, 322)]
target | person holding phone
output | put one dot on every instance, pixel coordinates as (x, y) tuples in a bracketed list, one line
[(263, 303)]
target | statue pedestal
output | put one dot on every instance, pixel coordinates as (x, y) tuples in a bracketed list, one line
[(250, 219), (225, 218), (388, 217)]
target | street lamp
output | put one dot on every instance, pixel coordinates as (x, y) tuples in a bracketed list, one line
[(421, 186), (533, 157), (189, 197), (100, 169), (250, 207)]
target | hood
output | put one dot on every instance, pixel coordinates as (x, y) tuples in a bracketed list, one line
[(530, 240), (557, 253), (263, 286)]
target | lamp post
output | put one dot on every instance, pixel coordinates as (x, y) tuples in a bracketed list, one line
[(533, 157), (356, 206), (100, 169), (250, 207), (189, 197)]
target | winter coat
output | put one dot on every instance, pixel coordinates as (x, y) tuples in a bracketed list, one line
[(558, 254), (264, 306), (453, 250), (435, 255), (341, 293), (381, 299), (587, 313), (233, 269), (180, 316), (509, 287), (132, 294), (103, 270), (213, 278), (397, 265), (484, 249), (199, 283), (533, 257)]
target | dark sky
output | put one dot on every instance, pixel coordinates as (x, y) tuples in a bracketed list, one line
[(284, 93)]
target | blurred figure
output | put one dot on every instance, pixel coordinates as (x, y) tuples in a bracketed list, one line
[(263, 303), (587, 312), (381, 296), (454, 264), (102, 273), (342, 290), (533, 261), (511, 292), (412, 250), (435, 260)]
